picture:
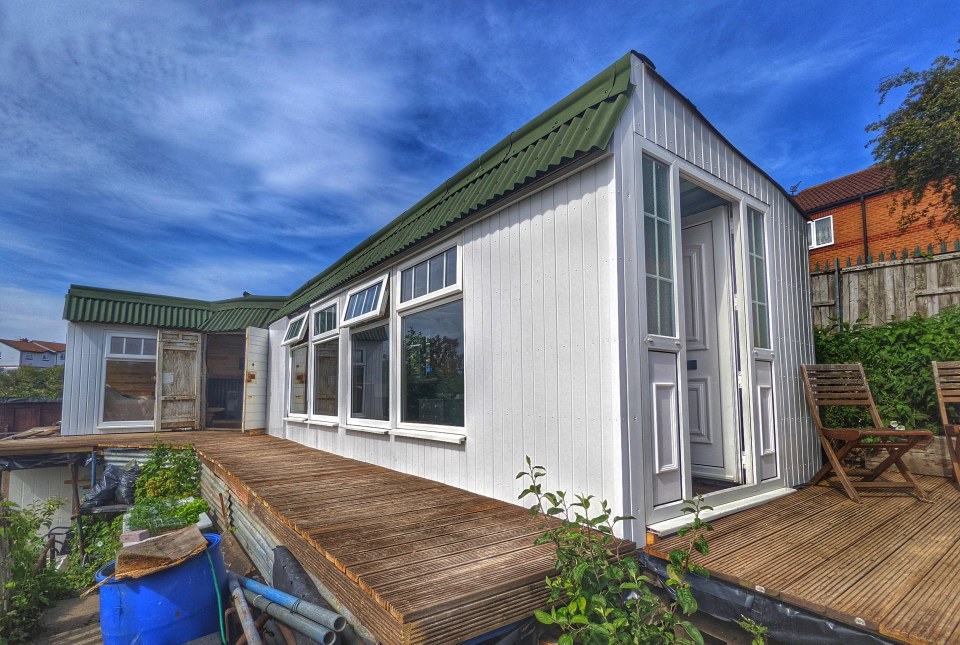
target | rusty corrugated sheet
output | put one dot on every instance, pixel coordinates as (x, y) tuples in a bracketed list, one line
[(581, 123)]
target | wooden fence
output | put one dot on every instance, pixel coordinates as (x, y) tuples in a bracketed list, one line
[(886, 288)]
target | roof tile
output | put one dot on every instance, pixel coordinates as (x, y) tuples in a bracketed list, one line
[(842, 189)]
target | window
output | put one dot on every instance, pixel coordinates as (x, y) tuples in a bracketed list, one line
[(46, 357), (298, 380), (820, 232), (758, 275), (295, 330), (432, 386), (429, 276), (325, 320), (130, 380), (370, 373), (658, 247), (366, 302), (326, 357)]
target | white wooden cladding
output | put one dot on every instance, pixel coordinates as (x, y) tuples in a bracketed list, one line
[(83, 376), (255, 375), (541, 353), (667, 122)]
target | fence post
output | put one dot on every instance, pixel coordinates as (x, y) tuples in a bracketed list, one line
[(838, 299)]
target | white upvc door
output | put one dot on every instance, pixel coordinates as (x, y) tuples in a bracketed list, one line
[(255, 380)]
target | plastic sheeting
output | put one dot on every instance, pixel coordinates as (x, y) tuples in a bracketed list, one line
[(24, 462), (785, 623)]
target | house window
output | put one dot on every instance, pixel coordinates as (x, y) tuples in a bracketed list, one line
[(130, 379), (366, 302), (658, 247), (298, 380), (820, 232), (758, 275), (370, 373), (46, 357), (429, 276), (432, 385), (326, 357), (296, 329), (325, 320)]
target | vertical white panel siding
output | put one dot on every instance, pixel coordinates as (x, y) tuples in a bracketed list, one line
[(83, 375), (668, 122), (39, 484), (541, 353), (276, 390)]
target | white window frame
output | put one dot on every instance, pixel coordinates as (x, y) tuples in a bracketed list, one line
[(451, 434), (362, 423), (108, 356), (376, 312), (290, 414), (317, 308), (812, 232), (296, 340), (443, 292)]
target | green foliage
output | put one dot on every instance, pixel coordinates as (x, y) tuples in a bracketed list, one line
[(101, 543), (599, 596), (161, 513), (920, 140), (25, 592), (169, 472), (758, 633), (896, 359), (46, 382)]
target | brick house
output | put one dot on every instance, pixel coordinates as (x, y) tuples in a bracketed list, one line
[(851, 217)]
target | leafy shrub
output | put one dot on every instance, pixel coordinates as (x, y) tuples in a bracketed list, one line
[(896, 358), (101, 540), (25, 592), (169, 472), (32, 381), (598, 596), (161, 513)]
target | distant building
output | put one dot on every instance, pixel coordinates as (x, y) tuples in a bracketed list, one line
[(30, 353), (851, 217)]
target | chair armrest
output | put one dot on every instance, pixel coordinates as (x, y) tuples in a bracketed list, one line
[(951, 430), (857, 433)]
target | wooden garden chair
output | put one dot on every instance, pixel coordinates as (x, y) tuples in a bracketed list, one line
[(846, 385), (946, 378)]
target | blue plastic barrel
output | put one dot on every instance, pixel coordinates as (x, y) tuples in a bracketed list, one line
[(172, 606)]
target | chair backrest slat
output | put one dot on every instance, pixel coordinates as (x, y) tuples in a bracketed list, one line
[(839, 385), (946, 378)]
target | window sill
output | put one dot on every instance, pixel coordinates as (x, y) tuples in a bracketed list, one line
[(323, 424), (821, 246), (432, 435), (295, 419), (369, 429), (130, 428)]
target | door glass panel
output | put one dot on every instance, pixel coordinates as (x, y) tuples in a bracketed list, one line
[(658, 248), (758, 268)]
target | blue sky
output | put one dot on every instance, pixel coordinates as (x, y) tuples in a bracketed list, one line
[(202, 149)]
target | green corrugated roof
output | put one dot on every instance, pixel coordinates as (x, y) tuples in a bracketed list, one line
[(109, 306), (580, 123)]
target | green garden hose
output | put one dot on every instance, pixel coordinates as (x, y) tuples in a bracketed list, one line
[(216, 588)]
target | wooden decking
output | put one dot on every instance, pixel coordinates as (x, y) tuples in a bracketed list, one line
[(890, 564), (415, 560)]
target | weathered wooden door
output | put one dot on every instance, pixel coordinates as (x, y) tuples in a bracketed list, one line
[(178, 380), (255, 380)]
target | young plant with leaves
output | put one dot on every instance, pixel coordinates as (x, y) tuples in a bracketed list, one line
[(599, 596)]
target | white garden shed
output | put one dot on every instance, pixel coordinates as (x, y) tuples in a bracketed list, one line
[(613, 289)]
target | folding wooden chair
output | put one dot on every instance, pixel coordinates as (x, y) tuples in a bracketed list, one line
[(946, 378), (846, 385)]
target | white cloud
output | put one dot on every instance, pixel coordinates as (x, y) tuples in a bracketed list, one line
[(31, 314)]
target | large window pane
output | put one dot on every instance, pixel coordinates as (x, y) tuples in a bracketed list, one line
[(325, 320), (325, 359), (433, 366), (129, 391), (370, 373), (298, 382), (758, 267), (428, 276), (658, 247)]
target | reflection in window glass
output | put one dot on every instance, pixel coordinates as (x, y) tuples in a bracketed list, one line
[(658, 247), (363, 302), (298, 380), (370, 373), (325, 320), (325, 358), (294, 330), (129, 390), (433, 366), (758, 274)]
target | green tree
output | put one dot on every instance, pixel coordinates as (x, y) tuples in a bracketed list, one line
[(920, 141), (32, 381)]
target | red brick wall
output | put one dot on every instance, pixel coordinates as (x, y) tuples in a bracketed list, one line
[(883, 229)]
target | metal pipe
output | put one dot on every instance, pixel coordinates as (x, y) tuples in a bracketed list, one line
[(317, 614), (307, 627), (863, 221), (243, 613)]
